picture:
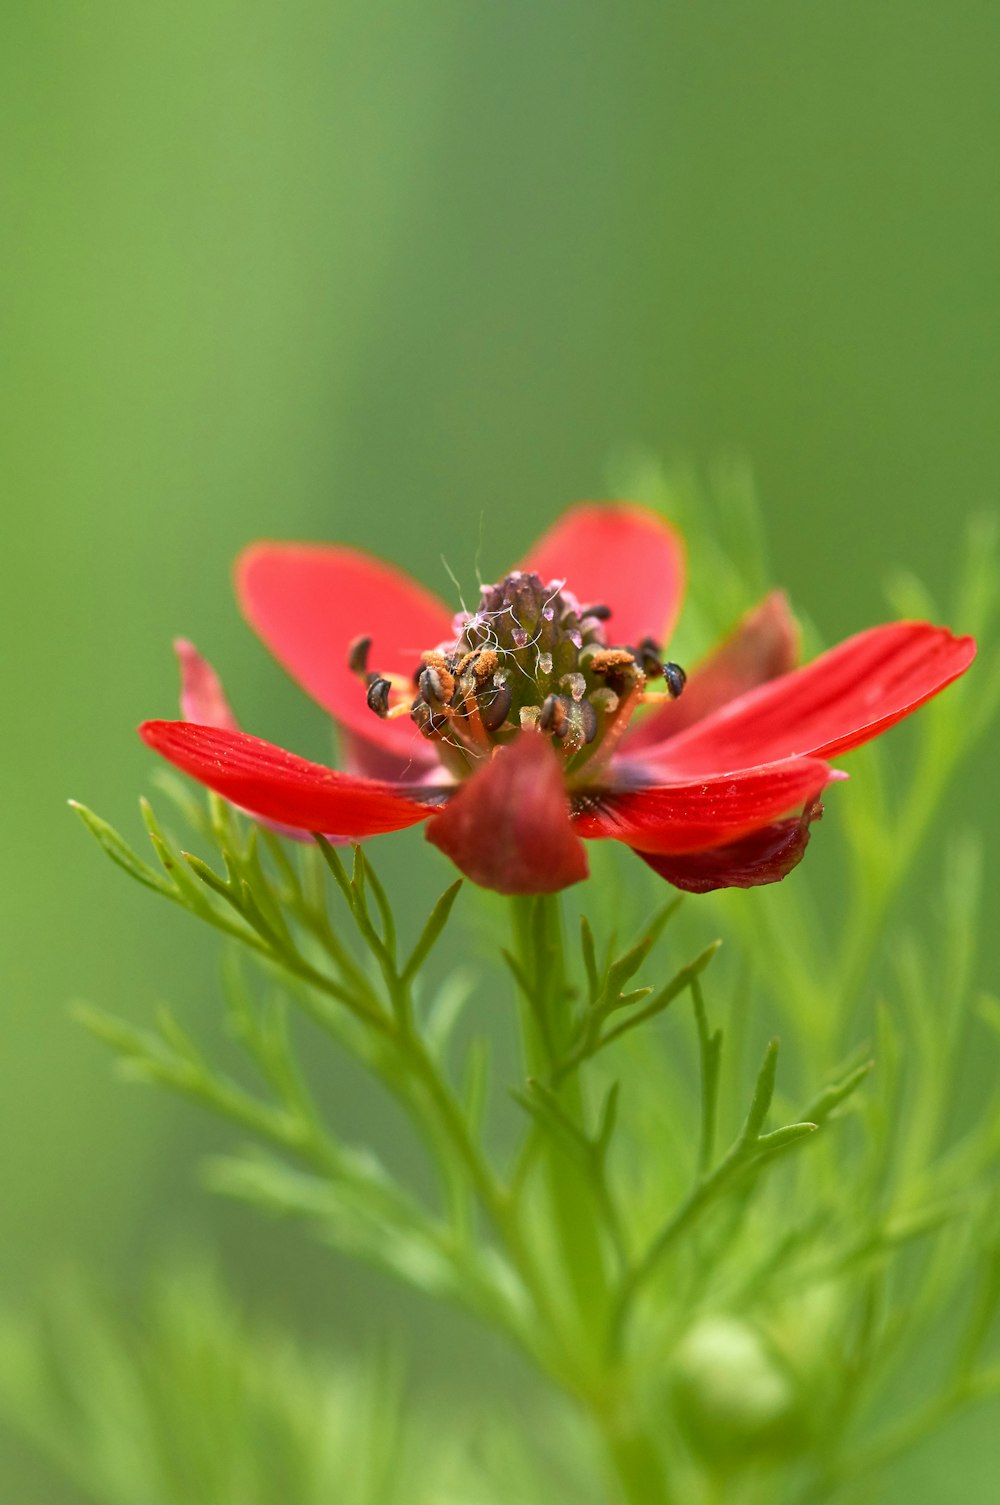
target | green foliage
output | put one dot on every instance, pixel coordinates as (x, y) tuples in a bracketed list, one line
[(191, 1401)]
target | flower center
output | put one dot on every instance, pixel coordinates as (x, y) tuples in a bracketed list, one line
[(529, 656)]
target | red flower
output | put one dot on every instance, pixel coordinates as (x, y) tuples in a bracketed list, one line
[(507, 730)]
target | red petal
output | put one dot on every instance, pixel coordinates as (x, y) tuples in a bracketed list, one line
[(765, 856), (508, 828), (203, 700), (617, 555), (279, 786), (710, 813), (309, 602), (840, 700), (202, 697), (370, 761), (763, 645)]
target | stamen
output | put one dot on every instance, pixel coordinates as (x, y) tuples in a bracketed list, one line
[(481, 661), (378, 697), (494, 711), (604, 660), (588, 721), (554, 716), (436, 685), (357, 655), (676, 679), (429, 724), (617, 667), (649, 655)]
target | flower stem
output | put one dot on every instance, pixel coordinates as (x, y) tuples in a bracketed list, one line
[(634, 1459), (546, 1025)]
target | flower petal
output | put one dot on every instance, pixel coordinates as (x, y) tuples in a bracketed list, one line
[(621, 556), (309, 602), (203, 699), (508, 828), (764, 856), (763, 646), (840, 700), (692, 817), (369, 760), (279, 786)]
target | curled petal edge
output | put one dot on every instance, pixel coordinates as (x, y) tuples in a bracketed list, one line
[(763, 856), (695, 816)]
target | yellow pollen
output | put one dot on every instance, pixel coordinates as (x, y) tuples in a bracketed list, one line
[(482, 662), (610, 658)]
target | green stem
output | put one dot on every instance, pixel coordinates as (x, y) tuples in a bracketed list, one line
[(574, 1201), (546, 1028), (633, 1458)]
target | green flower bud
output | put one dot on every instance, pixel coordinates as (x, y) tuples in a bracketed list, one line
[(733, 1398)]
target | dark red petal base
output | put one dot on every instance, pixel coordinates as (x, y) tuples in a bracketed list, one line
[(765, 856), (508, 828)]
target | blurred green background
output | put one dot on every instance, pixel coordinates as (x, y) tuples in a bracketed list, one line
[(402, 275)]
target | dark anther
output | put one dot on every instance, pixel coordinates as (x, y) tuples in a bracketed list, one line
[(676, 679), (436, 686), (617, 666), (494, 706), (602, 613), (378, 696), (588, 720), (429, 724), (648, 657), (554, 716), (357, 655)]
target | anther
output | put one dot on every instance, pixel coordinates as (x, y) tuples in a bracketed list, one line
[(429, 724), (378, 697), (618, 668), (648, 656), (676, 679), (436, 686), (602, 613), (494, 706), (482, 662), (588, 720), (357, 655), (554, 716), (605, 660)]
